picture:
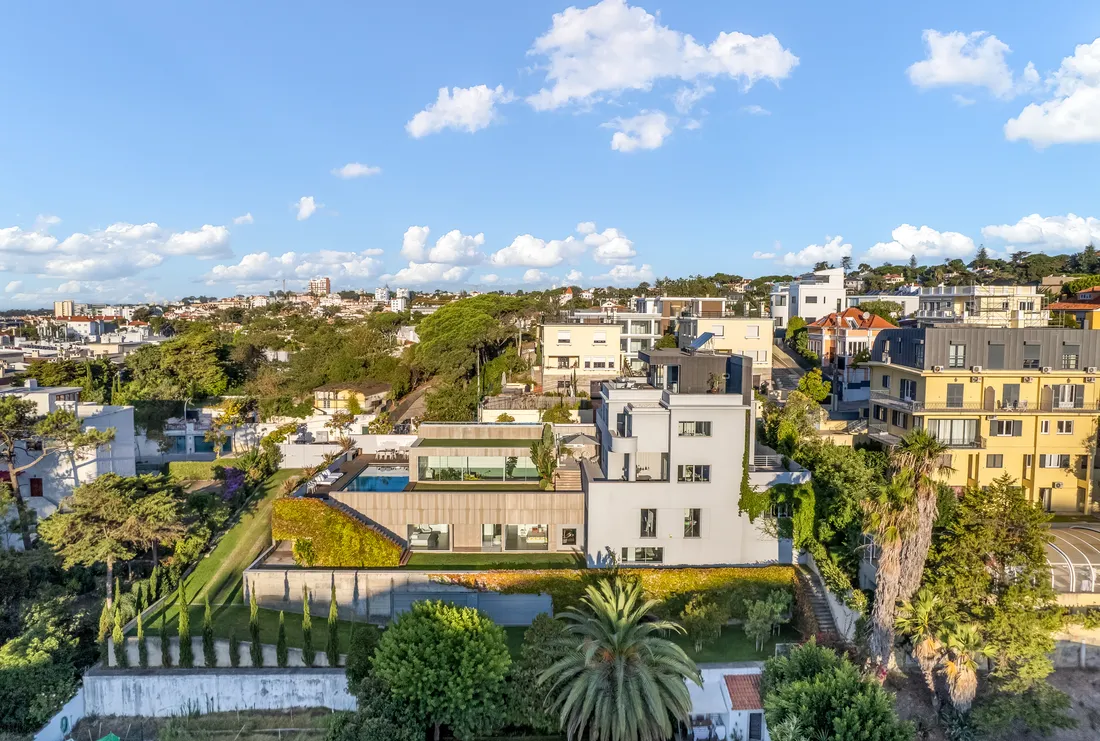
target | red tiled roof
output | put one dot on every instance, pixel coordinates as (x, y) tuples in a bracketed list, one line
[(835, 320), (744, 691), (1075, 306)]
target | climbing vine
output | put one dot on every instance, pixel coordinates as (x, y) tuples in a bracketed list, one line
[(752, 502)]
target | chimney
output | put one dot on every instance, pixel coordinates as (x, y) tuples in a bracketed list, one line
[(32, 383)]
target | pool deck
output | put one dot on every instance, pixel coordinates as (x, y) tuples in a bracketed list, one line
[(351, 469)]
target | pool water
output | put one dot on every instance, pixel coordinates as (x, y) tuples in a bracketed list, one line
[(375, 480)]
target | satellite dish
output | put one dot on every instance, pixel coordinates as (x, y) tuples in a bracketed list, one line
[(866, 315)]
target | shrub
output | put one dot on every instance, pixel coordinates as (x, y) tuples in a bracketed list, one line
[(505, 417), (118, 638), (30, 695), (282, 654), (364, 641), (193, 470), (337, 539), (303, 552), (234, 650), (703, 621)]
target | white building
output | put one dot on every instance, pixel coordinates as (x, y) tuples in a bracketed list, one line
[(667, 485), (907, 296), (90, 327), (259, 301), (320, 286), (811, 297), (398, 304), (382, 295), (53, 478), (403, 293), (728, 705)]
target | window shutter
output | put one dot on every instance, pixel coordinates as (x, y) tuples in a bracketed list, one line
[(1079, 396), (1017, 428)]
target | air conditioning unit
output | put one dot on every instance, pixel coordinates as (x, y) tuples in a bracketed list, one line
[(975, 379), (886, 359), (1091, 370), (976, 369), (1027, 379), (1047, 369), (1057, 484), (1090, 379), (937, 368)]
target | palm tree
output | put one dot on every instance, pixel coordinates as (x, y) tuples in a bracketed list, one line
[(921, 453), (919, 620), (964, 645), (622, 679), (890, 518)]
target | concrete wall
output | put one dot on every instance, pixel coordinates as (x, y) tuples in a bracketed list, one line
[(164, 693), (844, 616), (376, 595), (62, 724), (221, 652)]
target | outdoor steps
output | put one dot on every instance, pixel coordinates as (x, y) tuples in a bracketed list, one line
[(827, 631), (567, 479), (352, 512)]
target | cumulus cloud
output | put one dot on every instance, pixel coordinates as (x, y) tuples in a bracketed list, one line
[(453, 248), (528, 251), (686, 97), (573, 276), (428, 272), (244, 219), (489, 278), (645, 131), (755, 110), (43, 222), (758, 255), (612, 47), (356, 170), (1068, 233), (14, 286), (415, 243), (72, 286), (833, 250), (534, 275), (262, 266), (924, 242), (306, 207), (461, 108), (17, 241), (976, 59), (625, 275), (205, 243), (1072, 113), (586, 227), (610, 247)]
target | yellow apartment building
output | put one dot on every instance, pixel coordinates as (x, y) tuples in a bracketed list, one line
[(576, 353), (371, 395), (749, 336), (1018, 401)]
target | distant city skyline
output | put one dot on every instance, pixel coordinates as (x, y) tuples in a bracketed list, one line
[(159, 152)]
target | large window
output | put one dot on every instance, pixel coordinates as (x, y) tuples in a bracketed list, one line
[(649, 555), (810, 300), (899, 419), (1010, 396), (691, 523), (1054, 460), (957, 432), (907, 388), (954, 396), (1032, 353), (599, 338), (1006, 428), (756, 726), (429, 537), (649, 523), (476, 468), (526, 538), (693, 473), (694, 429), (956, 356), (1068, 395)]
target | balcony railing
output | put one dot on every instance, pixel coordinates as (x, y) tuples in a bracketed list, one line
[(878, 430), (989, 407)]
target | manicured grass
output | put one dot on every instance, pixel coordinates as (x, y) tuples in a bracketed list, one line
[(423, 560), (233, 619), (473, 486), (1074, 518), (259, 725), (219, 574), (734, 645)]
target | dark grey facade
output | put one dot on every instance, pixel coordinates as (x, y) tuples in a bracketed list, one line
[(698, 372), (991, 348)]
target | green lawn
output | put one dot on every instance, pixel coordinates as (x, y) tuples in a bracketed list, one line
[(734, 645), (219, 574), (233, 619), (426, 560)]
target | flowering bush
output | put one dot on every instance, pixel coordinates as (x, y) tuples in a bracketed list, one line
[(234, 483)]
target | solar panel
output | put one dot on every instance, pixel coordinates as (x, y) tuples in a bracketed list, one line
[(702, 340)]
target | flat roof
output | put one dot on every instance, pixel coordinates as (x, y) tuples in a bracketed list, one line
[(462, 442)]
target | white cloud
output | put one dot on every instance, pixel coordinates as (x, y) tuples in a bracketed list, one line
[(261, 266), (962, 100), (534, 275), (244, 219), (206, 243), (43, 222), (976, 59), (462, 108), (1072, 114), (686, 97), (924, 242), (611, 47), (645, 131), (415, 242), (1068, 233), (72, 286), (306, 207), (355, 170), (15, 240), (755, 110), (625, 275), (13, 286), (528, 251), (586, 227), (758, 255), (833, 250), (453, 248), (692, 124), (610, 247), (427, 272), (574, 276), (489, 278)]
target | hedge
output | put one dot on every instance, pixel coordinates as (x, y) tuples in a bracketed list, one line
[(673, 588), (194, 470), (337, 538)]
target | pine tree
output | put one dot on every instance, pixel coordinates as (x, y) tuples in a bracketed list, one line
[(282, 654), (122, 660), (332, 645), (307, 630), (187, 652), (209, 655), (256, 648), (165, 644), (143, 648), (234, 650)]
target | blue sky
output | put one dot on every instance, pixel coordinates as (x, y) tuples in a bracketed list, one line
[(136, 136)]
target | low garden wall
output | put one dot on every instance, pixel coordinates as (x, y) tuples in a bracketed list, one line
[(221, 654), (160, 693), (844, 616)]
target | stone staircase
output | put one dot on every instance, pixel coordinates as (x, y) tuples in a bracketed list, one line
[(826, 626), (568, 478), (357, 515)]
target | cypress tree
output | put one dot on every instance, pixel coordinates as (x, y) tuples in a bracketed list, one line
[(234, 650), (106, 617), (143, 649), (209, 655), (332, 645), (187, 652), (307, 630), (256, 648), (165, 644), (281, 651), (154, 584), (119, 639)]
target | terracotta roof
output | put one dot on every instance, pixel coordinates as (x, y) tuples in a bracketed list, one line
[(1094, 289), (1075, 306), (835, 320), (744, 691)]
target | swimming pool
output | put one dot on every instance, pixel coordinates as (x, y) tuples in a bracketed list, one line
[(380, 479)]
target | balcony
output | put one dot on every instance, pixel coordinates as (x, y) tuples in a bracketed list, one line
[(880, 432), (1048, 406)]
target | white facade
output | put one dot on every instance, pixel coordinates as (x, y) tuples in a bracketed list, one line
[(669, 478), (382, 295), (398, 304), (811, 297), (402, 293), (320, 286), (716, 715)]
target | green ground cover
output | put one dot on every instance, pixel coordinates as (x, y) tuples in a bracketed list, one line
[(734, 645), (423, 560)]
